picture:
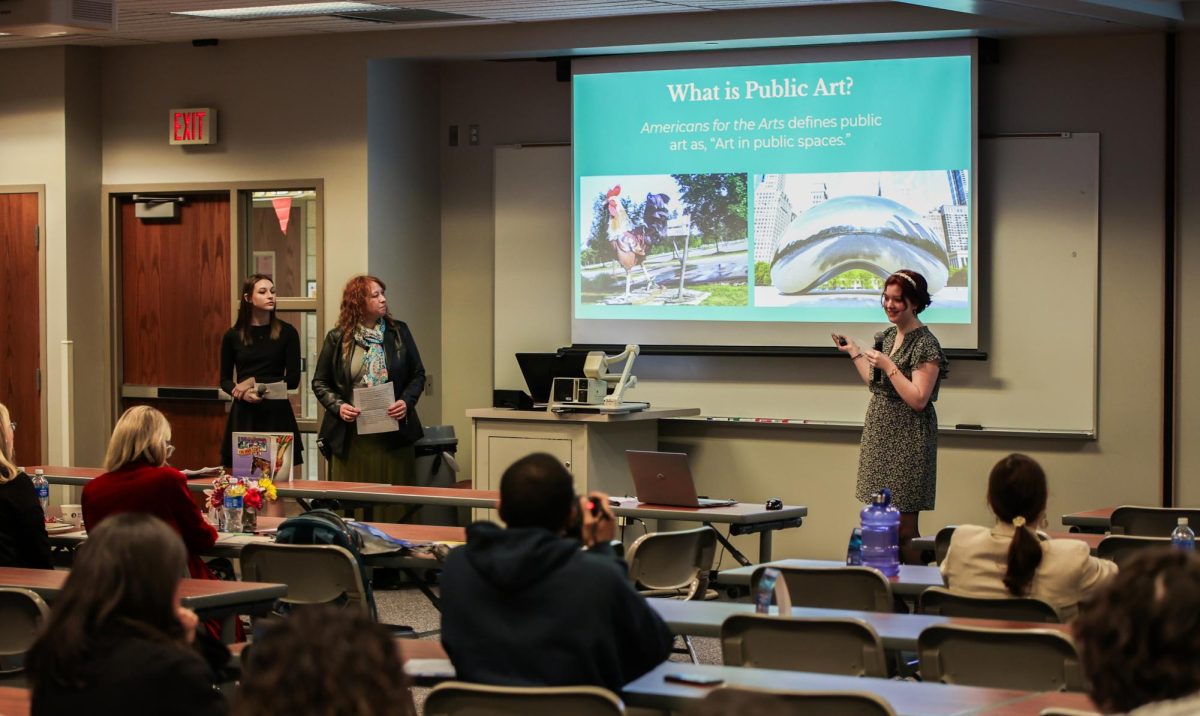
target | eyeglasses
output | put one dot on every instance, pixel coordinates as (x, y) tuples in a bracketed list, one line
[(13, 426), (170, 449)]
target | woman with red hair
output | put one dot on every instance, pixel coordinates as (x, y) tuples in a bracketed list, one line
[(368, 348)]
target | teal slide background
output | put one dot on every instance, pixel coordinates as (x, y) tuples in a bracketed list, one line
[(923, 106)]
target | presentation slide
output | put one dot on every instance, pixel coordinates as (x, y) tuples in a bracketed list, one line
[(771, 200)]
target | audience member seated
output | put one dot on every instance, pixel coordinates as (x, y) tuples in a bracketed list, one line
[(1009, 558), (138, 479), (529, 606), (323, 661), (23, 539), (118, 641), (1140, 637)]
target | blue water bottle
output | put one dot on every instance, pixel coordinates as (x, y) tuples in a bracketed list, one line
[(854, 549), (881, 534)]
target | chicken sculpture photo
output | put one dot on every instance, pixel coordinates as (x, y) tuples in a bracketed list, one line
[(628, 241)]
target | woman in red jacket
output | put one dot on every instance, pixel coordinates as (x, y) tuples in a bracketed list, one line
[(138, 479)]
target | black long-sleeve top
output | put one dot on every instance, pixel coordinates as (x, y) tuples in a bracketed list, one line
[(23, 538), (266, 360)]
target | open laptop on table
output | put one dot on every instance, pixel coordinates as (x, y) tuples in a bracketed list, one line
[(663, 478), (540, 370)]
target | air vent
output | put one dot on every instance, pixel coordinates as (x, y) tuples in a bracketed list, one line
[(46, 18), (92, 11), (404, 15)]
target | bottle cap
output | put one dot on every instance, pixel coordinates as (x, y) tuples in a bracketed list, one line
[(1182, 521)]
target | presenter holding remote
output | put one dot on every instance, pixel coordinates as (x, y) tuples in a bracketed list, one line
[(903, 372), (262, 349), (369, 348)]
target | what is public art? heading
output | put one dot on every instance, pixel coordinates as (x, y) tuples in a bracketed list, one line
[(753, 89)]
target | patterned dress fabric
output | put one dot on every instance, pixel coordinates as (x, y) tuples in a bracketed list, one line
[(899, 445)]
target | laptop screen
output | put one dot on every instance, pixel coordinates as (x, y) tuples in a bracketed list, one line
[(540, 370)]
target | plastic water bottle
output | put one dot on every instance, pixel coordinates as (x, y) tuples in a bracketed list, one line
[(881, 534), (233, 512), (854, 549), (42, 486), (1182, 537), (764, 591)]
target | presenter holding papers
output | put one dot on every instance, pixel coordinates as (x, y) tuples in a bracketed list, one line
[(899, 439), (369, 349), (265, 354)]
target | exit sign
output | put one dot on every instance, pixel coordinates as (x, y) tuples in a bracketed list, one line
[(195, 125)]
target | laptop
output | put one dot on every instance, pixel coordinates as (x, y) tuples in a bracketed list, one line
[(540, 370), (663, 478)]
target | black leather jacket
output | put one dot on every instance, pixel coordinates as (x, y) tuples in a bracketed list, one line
[(333, 385)]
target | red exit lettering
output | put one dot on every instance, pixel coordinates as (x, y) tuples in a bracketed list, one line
[(189, 126)]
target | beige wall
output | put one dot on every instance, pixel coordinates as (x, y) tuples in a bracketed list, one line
[(1187, 269)]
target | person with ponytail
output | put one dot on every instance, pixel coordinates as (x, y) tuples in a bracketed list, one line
[(1010, 559)]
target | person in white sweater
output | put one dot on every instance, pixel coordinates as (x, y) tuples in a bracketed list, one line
[(1009, 559)]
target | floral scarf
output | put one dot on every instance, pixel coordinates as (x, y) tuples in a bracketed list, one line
[(375, 370)]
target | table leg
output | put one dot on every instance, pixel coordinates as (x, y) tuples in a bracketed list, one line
[(764, 546)]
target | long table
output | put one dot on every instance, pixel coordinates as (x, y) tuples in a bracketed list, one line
[(742, 518), (898, 631), (209, 598), (912, 580), (906, 697), (1090, 520)]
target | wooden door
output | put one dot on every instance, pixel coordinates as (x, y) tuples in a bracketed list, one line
[(20, 328), (174, 289)]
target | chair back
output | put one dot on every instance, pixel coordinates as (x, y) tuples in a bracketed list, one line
[(826, 703), (314, 574), (1024, 659), (941, 601), (22, 613), (669, 563), (457, 698), (941, 543), (1120, 548), (858, 588), (849, 647), (1151, 521)]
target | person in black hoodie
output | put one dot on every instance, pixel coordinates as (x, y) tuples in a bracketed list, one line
[(529, 606)]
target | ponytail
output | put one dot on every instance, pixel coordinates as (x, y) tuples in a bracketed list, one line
[(1024, 556)]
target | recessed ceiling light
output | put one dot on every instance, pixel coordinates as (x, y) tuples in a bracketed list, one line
[(269, 11)]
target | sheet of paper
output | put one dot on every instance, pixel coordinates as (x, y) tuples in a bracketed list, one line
[(373, 402), (272, 391)]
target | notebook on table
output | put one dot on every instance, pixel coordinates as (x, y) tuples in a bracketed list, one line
[(663, 478)]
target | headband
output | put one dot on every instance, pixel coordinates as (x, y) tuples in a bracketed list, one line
[(906, 277)]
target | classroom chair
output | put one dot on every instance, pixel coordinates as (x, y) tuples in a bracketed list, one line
[(1151, 521), (858, 588), (941, 543), (457, 698), (1119, 548), (1024, 659), (826, 703), (314, 574), (849, 647), (22, 613), (674, 565), (943, 602)]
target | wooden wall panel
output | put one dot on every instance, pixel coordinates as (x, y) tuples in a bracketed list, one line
[(289, 249), (175, 294), (197, 428), (20, 334)]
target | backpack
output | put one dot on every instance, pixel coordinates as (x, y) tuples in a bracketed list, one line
[(326, 527)]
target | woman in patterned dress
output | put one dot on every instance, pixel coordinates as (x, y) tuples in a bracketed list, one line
[(899, 439)]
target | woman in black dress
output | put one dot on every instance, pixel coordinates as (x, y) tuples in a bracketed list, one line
[(265, 349), (899, 439)]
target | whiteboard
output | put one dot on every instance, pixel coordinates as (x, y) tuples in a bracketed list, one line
[(1039, 269)]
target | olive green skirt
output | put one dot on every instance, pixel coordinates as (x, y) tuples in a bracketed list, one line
[(371, 459)]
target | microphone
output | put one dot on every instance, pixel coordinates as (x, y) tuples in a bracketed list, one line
[(876, 373)]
